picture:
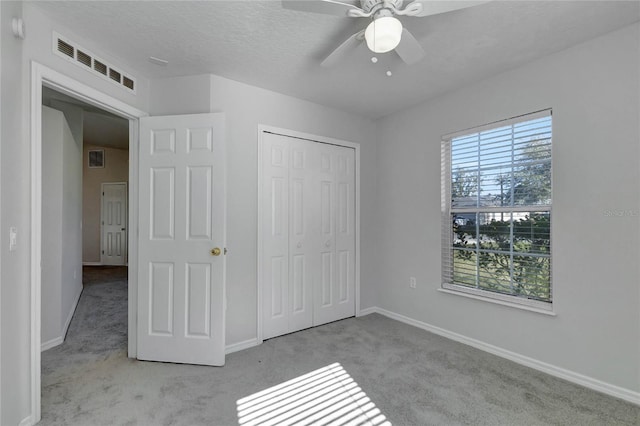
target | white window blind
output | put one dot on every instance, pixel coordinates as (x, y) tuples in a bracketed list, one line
[(496, 210)]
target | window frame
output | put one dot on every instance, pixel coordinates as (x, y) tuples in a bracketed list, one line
[(447, 209)]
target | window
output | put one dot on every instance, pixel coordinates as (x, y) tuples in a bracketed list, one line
[(496, 203)]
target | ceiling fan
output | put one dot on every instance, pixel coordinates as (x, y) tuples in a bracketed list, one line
[(385, 31)]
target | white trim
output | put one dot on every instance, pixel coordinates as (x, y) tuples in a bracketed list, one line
[(67, 322), (132, 258), (318, 139), (92, 264), (1, 234), (240, 346), (27, 421), (42, 75), (56, 341), (571, 376), (499, 299), (367, 311), (60, 339)]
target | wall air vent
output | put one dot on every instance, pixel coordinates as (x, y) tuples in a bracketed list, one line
[(72, 52), (65, 48), (83, 58), (127, 82), (115, 75), (99, 67)]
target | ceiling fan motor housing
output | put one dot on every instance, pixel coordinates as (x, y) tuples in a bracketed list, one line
[(375, 5)]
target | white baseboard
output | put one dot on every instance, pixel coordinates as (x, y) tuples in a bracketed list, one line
[(27, 421), (91, 263), (367, 311), (235, 347), (67, 322), (60, 339), (51, 343), (571, 376)]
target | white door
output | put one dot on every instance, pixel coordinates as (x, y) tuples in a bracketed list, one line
[(287, 215), (307, 252), (334, 297), (181, 266), (114, 223)]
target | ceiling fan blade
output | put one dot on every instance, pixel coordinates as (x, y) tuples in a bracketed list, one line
[(328, 7), (436, 7), (348, 45), (409, 49)]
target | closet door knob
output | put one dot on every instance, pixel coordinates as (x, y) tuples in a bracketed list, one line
[(327, 244), (215, 251)]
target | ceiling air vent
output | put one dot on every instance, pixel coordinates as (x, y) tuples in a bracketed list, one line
[(83, 58), (80, 56)]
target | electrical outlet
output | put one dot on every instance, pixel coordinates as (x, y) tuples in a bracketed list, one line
[(412, 282)]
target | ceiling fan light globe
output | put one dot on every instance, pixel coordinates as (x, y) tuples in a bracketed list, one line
[(383, 34)]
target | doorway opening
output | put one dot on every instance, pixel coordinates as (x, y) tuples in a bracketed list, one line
[(42, 79), (84, 213)]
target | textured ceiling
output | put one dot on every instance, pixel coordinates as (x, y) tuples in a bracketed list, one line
[(262, 44)]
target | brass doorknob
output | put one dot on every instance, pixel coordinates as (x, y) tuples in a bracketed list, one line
[(215, 251)]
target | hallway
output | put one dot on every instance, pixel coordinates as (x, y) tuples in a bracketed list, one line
[(98, 332)]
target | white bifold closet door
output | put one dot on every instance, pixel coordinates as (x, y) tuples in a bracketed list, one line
[(308, 234)]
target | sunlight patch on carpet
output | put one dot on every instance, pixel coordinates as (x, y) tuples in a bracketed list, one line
[(328, 396)]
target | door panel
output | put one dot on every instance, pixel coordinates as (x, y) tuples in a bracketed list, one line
[(182, 218), (307, 218), (300, 235), (345, 239), (335, 297), (275, 237), (114, 224), (199, 192)]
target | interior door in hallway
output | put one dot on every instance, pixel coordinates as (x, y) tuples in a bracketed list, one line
[(181, 255), (114, 224)]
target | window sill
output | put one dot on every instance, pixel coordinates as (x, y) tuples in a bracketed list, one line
[(531, 306)]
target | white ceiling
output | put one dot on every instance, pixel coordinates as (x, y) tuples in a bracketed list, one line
[(99, 127), (262, 44)]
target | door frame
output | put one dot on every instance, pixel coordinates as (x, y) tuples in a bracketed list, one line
[(126, 247), (42, 75), (262, 129)]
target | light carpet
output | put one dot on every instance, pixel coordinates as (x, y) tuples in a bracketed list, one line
[(413, 377)]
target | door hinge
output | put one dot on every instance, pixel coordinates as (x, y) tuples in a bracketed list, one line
[(103, 194)]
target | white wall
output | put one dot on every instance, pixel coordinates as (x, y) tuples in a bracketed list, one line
[(71, 213), (15, 168), (38, 46), (116, 169), (245, 107), (15, 204), (594, 90), (53, 127), (61, 221)]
